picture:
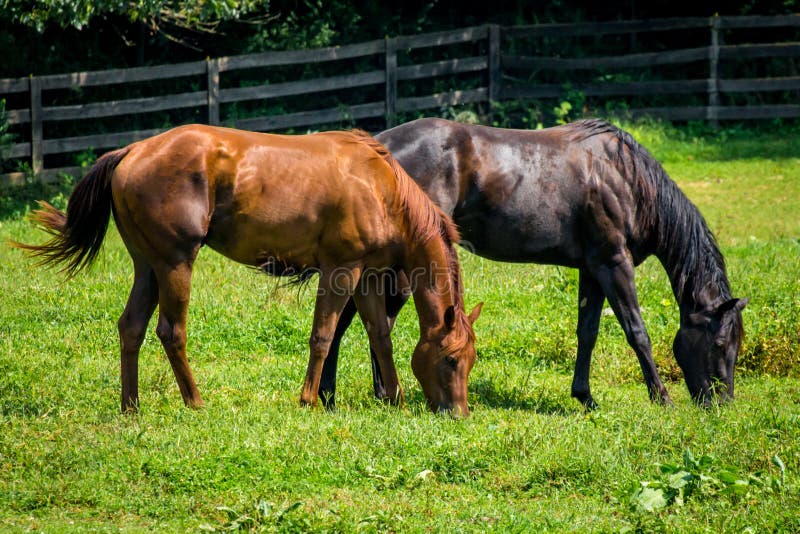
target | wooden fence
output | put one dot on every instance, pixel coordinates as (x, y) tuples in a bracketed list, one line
[(499, 73)]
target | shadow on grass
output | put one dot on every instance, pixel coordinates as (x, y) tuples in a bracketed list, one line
[(541, 401)]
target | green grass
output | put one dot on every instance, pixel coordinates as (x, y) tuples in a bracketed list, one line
[(528, 459)]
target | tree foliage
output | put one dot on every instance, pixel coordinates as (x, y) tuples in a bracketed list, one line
[(158, 14)]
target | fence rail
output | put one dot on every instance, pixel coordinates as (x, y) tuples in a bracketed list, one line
[(502, 75)]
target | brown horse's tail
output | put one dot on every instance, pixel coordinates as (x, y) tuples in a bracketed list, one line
[(78, 234)]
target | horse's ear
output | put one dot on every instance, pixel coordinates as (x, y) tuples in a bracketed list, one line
[(728, 305), (475, 313), (450, 318)]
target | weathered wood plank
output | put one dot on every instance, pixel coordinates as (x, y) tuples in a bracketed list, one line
[(212, 91), (18, 116), (292, 57), (606, 89), (119, 76), (391, 76), (125, 107), (647, 59), (18, 150), (603, 28), (749, 51), (14, 85), (760, 21), (783, 111), (787, 83), (305, 118), (448, 37), (45, 176), (332, 83), (722, 112), (450, 98), (441, 68), (495, 78), (13, 178), (713, 72), (37, 135), (684, 113), (106, 140)]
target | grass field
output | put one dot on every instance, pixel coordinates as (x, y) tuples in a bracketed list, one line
[(529, 459)]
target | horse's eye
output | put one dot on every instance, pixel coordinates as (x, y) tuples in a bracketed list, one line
[(452, 362)]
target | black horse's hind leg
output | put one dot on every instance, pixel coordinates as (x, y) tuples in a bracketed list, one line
[(590, 306), (616, 279), (327, 383)]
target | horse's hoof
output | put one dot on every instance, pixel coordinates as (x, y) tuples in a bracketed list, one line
[(304, 403), (586, 399), (328, 400), (590, 405)]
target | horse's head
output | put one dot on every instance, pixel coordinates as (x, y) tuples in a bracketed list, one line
[(442, 363), (706, 347)]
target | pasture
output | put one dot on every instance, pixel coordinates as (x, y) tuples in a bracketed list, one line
[(529, 458)]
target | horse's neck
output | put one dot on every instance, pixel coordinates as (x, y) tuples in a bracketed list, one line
[(697, 284), (429, 272)]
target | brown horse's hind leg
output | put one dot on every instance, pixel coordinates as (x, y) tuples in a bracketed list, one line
[(132, 327), (173, 303), (336, 285), (372, 309)]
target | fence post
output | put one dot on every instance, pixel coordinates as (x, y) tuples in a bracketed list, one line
[(391, 81), (37, 158), (713, 73), (495, 75), (212, 71)]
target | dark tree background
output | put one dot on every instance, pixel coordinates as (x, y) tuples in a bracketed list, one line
[(53, 36)]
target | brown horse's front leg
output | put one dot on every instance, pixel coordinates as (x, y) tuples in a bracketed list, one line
[(372, 309), (336, 285)]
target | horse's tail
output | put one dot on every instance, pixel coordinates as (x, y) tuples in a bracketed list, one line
[(78, 234)]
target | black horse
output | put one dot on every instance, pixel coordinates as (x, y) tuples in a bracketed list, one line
[(584, 195)]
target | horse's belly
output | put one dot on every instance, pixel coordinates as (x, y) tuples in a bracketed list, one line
[(260, 242), (514, 239)]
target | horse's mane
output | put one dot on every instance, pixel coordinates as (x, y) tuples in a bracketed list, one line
[(425, 221), (682, 239)]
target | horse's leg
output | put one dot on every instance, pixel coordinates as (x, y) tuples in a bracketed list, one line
[(396, 294), (590, 306), (327, 383), (617, 280), (132, 327), (372, 310), (336, 285), (173, 304)]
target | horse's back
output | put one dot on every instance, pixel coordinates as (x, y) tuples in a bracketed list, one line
[(254, 196), (516, 195)]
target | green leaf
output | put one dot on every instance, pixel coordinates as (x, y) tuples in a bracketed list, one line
[(779, 463), (679, 479), (669, 468), (728, 477), (649, 500)]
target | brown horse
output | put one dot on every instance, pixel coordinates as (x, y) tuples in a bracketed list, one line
[(335, 203), (583, 195)]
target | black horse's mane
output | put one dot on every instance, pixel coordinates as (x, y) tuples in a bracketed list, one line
[(683, 242)]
